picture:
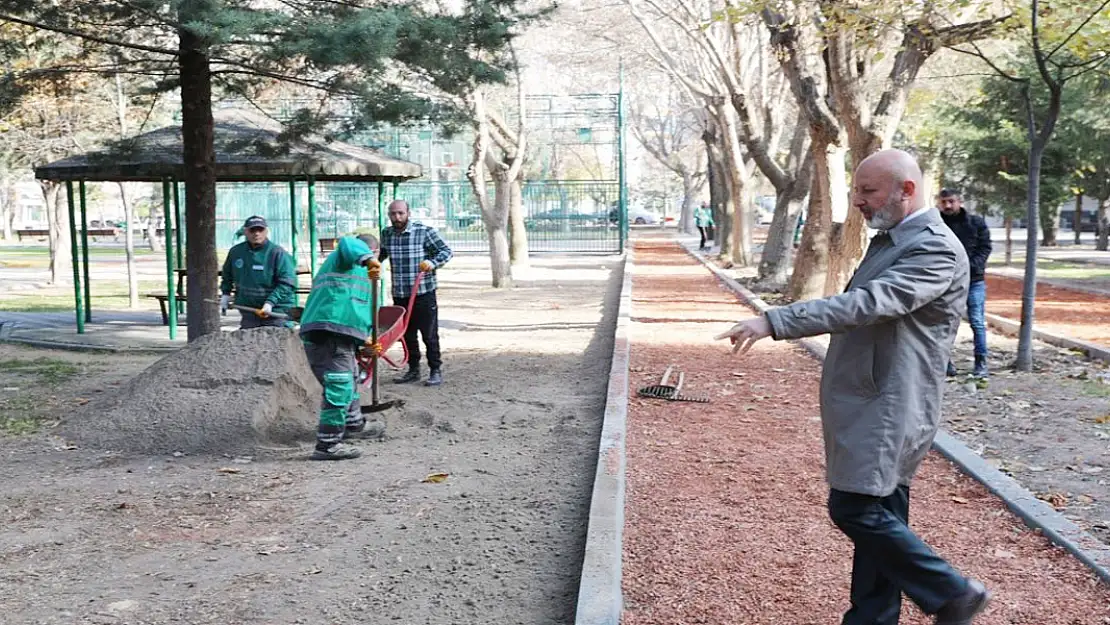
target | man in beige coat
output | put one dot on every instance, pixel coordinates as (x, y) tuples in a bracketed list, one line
[(881, 390)]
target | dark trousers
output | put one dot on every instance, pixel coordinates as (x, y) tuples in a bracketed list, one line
[(706, 235), (332, 358), (249, 321), (425, 320), (890, 559)]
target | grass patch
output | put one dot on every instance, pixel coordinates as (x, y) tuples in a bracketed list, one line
[(1093, 388), (48, 370), (105, 296), (18, 417)]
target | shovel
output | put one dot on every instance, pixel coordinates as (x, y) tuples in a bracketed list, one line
[(376, 405), (272, 315)]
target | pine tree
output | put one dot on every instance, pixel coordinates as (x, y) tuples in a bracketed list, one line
[(396, 61)]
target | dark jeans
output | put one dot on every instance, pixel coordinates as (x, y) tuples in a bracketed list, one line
[(425, 320), (706, 235), (976, 315), (890, 559)]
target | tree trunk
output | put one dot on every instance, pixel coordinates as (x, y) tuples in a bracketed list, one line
[(849, 240), (496, 222), (690, 190), (200, 183), (10, 208), (722, 203), (57, 224), (1048, 224), (1024, 361), (736, 179), (152, 239), (1103, 225), (1077, 219), (774, 264), (1008, 223), (518, 234), (129, 247), (812, 258)]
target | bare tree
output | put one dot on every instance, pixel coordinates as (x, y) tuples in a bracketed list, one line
[(670, 128)]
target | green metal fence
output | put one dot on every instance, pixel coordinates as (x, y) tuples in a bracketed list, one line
[(560, 216)]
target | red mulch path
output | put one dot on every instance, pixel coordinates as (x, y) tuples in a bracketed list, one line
[(726, 518), (1061, 311)]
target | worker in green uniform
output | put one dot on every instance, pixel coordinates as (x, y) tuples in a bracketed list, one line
[(263, 276), (703, 219), (335, 324)]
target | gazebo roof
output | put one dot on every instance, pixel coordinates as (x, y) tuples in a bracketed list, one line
[(248, 149)]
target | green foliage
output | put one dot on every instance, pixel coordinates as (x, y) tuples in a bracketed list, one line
[(399, 62)]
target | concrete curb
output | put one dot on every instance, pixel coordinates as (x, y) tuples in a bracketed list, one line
[(1035, 513), (599, 590), (86, 347), (1011, 328)]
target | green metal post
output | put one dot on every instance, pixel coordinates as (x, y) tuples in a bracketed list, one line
[(171, 304), (381, 226), (312, 224), (85, 251), (293, 229), (180, 251), (622, 190), (73, 255)]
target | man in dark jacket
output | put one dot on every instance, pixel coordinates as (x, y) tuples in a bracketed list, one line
[(973, 232)]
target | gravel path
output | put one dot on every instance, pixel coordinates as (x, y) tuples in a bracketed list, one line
[(726, 517), (93, 537)]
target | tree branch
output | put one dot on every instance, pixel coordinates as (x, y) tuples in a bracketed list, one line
[(89, 37), (1075, 32)]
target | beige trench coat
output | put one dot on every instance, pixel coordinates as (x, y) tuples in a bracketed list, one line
[(892, 335)]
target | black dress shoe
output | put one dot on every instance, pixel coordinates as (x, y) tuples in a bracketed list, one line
[(411, 376), (964, 609)]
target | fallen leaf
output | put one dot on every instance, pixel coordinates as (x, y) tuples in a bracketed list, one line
[(229, 470), (1103, 419), (435, 478), (81, 401), (959, 500), (1085, 499), (1005, 555)]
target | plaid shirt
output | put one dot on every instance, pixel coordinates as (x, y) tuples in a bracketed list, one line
[(406, 249)]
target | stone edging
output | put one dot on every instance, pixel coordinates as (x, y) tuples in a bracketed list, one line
[(599, 590), (1010, 327), (1035, 513)]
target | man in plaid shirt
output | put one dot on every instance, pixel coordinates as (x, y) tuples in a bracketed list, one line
[(412, 247)]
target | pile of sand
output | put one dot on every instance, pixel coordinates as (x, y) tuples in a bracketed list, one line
[(225, 393)]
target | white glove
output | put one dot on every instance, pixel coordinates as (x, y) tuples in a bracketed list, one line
[(267, 308), (225, 299)]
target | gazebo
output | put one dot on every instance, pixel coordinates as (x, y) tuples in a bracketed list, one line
[(250, 148)]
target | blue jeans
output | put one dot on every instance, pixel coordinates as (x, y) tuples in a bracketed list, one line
[(890, 559), (976, 314)]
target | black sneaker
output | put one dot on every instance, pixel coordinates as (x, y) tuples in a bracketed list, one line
[(336, 451), (372, 429), (413, 375), (963, 609), (435, 378), (952, 370)]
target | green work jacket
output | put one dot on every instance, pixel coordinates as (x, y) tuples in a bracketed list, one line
[(259, 275), (340, 299)]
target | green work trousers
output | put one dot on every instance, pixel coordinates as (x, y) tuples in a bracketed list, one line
[(333, 362)]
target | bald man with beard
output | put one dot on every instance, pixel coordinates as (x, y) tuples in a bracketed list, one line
[(882, 388)]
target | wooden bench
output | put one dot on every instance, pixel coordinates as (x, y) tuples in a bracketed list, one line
[(28, 232), (327, 246)]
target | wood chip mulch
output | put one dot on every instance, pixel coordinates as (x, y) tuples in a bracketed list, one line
[(726, 519)]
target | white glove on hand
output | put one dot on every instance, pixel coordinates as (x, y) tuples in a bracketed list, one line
[(225, 299), (267, 308)]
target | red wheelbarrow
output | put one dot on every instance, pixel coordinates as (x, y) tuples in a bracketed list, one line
[(390, 326)]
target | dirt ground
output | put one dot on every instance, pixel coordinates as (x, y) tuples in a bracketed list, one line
[(94, 537), (1049, 429), (1062, 311), (726, 500)]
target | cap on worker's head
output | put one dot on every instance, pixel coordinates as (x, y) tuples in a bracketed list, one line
[(255, 221), (949, 192), (370, 240)]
